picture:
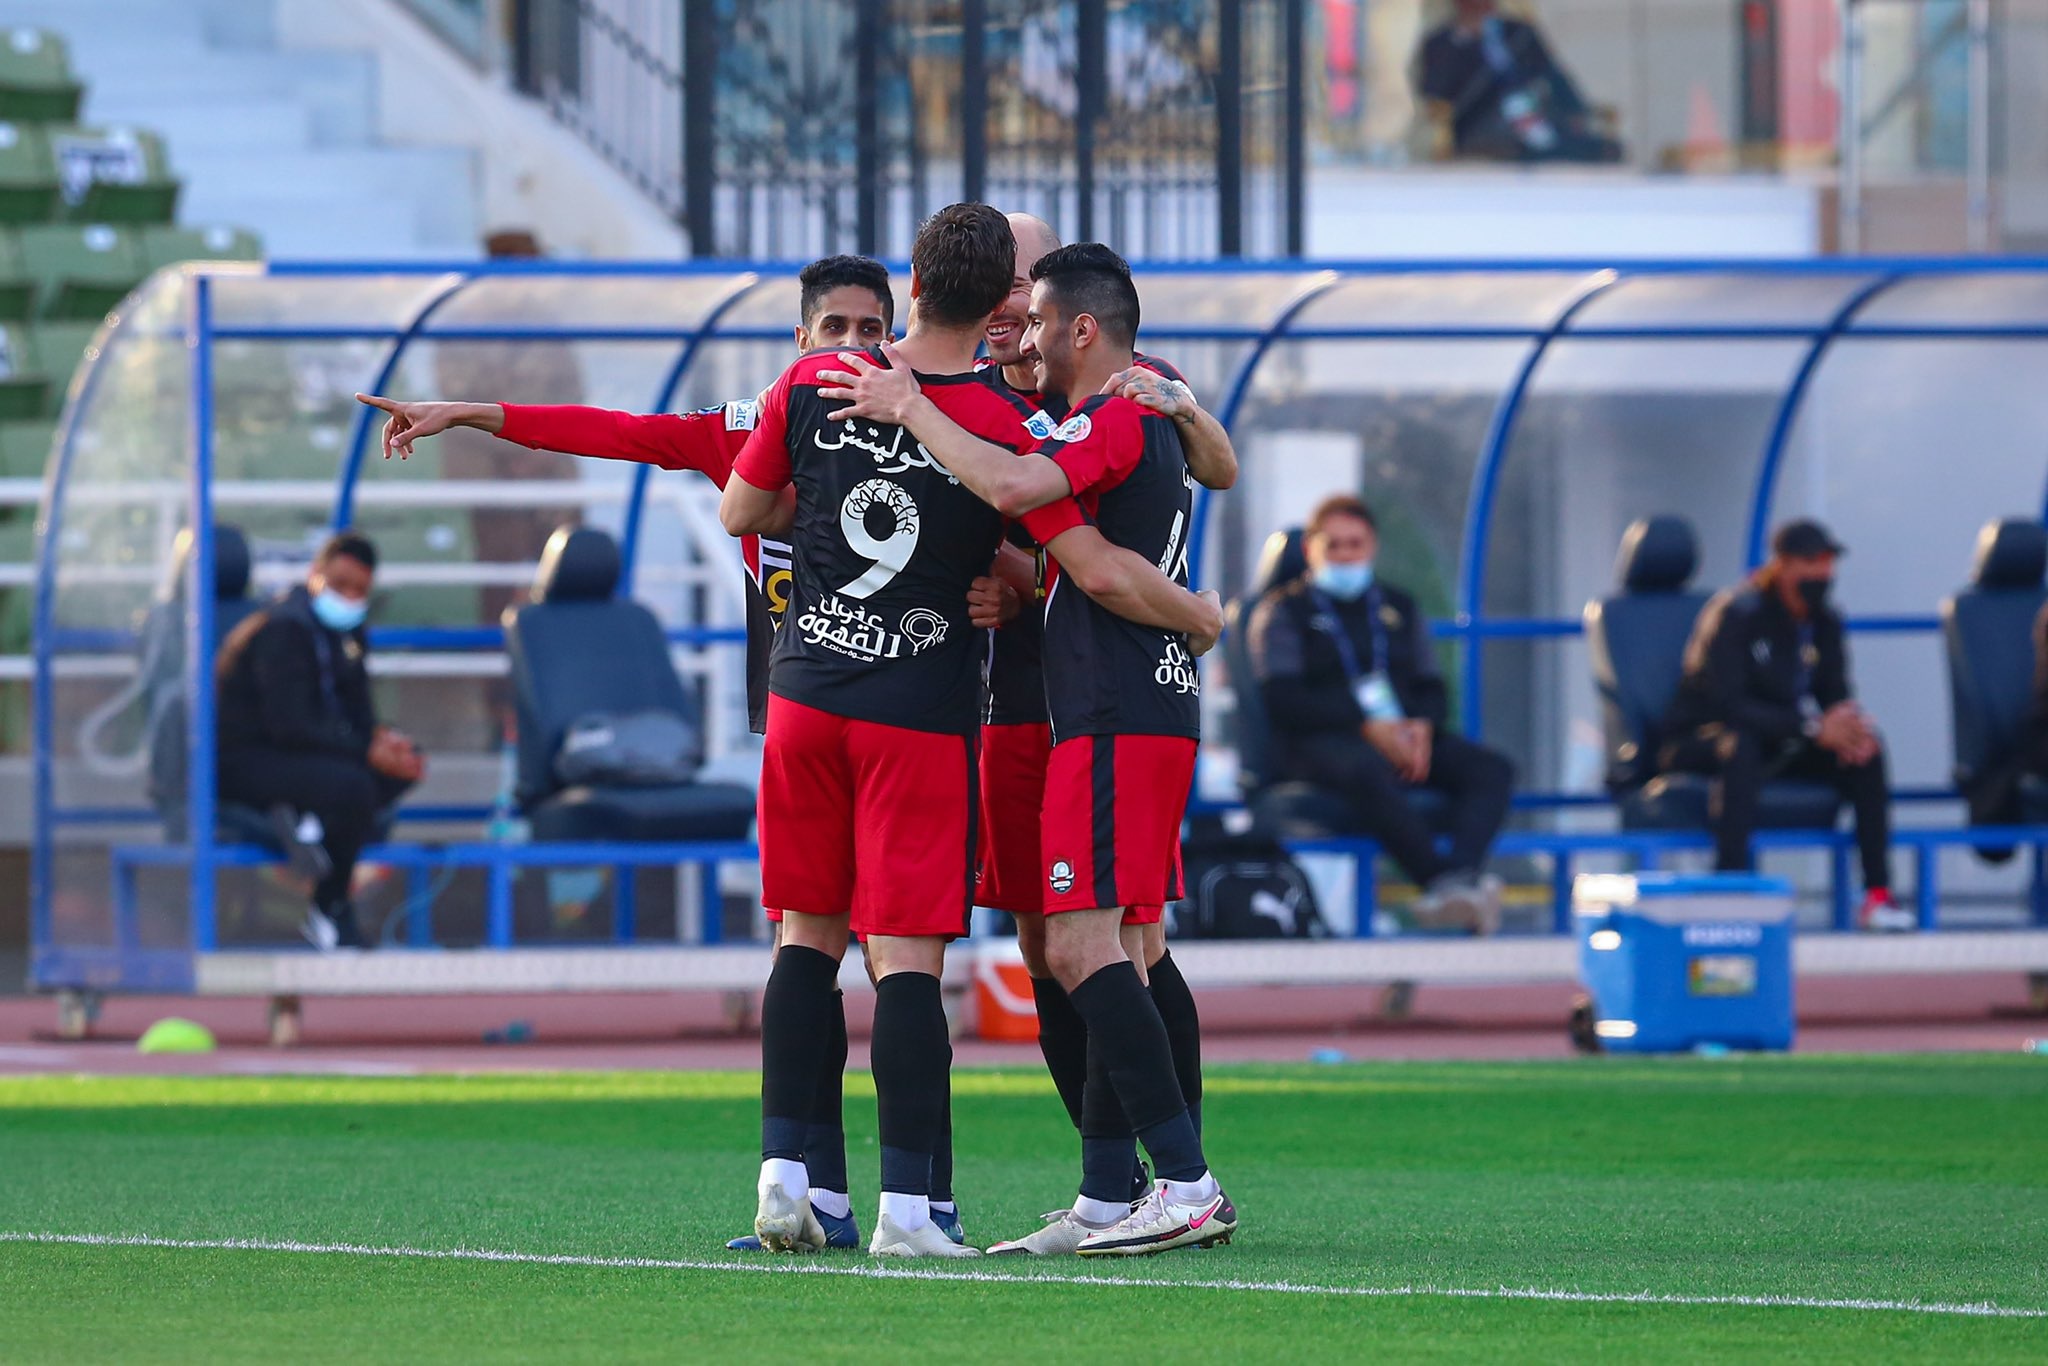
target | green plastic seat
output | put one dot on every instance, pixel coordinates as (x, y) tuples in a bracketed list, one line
[(25, 449), (84, 271), (167, 246), (36, 82), (113, 175), (28, 175), (58, 348), (17, 286), (24, 384)]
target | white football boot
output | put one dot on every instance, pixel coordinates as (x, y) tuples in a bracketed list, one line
[(785, 1222), (1161, 1223), (926, 1240)]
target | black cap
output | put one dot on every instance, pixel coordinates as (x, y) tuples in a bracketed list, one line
[(1805, 539)]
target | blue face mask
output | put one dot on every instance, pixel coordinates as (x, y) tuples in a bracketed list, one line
[(1345, 581), (338, 613)]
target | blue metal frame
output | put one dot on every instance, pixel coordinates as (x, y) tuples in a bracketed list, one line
[(1788, 412), (359, 429), (636, 501), (1472, 626), (1486, 484)]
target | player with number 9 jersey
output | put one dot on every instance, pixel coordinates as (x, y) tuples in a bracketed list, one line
[(876, 678)]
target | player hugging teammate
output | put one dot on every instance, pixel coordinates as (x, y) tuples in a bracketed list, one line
[(904, 466)]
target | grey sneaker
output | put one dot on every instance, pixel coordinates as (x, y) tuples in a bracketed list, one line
[(1453, 901), (1061, 1237)]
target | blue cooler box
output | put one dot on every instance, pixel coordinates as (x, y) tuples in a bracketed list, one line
[(1673, 961)]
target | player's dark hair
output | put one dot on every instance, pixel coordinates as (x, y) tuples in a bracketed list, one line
[(351, 543), (964, 257), (821, 277), (1088, 277), (1340, 505)]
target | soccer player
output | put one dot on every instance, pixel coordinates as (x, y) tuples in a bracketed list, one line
[(843, 301), (1016, 740), (1124, 706), (873, 708)]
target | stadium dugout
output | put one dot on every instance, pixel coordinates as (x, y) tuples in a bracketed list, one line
[(1509, 419)]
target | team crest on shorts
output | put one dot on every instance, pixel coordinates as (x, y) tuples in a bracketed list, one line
[(1062, 878)]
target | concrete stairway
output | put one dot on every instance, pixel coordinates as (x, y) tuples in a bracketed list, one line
[(275, 140)]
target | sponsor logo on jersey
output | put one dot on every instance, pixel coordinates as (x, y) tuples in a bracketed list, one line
[(889, 457), (923, 628), (1042, 424), (742, 414), (1075, 428), (849, 629), (1061, 877), (1176, 670)]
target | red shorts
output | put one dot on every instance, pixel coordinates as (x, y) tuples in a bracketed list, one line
[(1110, 833), (869, 820), (1012, 796)]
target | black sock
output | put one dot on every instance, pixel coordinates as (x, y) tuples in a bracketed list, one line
[(912, 1061), (1063, 1038), (942, 1149), (1183, 1031), (825, 1135), (1109, 1150), (1139, 1060), (795, 1012)]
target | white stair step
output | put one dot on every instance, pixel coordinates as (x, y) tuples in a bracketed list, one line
[(210, 124), (338, 88)]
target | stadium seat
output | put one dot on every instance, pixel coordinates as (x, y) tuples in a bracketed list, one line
[(113, 175), (1637, 641), (24, 384), (577, 650), (25, 450), (17, 286), (160, 685), (28, 176), (36, 84), (1284, 809), (85, 271), (167, 246), (1988, 630), (59, 347)]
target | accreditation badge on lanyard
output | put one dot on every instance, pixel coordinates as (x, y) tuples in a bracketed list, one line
[(1374, 690)]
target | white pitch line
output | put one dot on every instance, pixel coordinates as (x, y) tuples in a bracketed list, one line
[(906, 1273)]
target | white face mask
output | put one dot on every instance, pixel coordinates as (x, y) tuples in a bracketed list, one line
[(1345, 581), (338, 613)]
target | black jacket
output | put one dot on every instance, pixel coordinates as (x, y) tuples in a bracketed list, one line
[(287, 682), (1307, 689), (1742, 667)]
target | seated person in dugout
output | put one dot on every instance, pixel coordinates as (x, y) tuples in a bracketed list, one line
[(298, 737), (1358, 705), (1766, 697)]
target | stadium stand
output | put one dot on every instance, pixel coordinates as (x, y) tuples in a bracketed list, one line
[(86, 214)]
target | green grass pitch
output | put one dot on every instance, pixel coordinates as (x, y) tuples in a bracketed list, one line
[(1698, 1184)]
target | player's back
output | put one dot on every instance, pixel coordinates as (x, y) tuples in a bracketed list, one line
[(1105, 674), (886, 544)]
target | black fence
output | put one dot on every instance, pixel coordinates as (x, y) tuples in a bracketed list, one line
[(1173, 129)]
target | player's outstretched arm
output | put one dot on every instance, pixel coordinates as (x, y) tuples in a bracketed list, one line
[(405, 423), (1210, 456), (1011, 485), (1133, 587)]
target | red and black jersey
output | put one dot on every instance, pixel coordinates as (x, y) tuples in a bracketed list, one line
[(1105, 675), (707, 441), (886, 546), (1016, 671)]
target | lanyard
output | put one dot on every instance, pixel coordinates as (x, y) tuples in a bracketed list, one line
[(1326, 612)]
